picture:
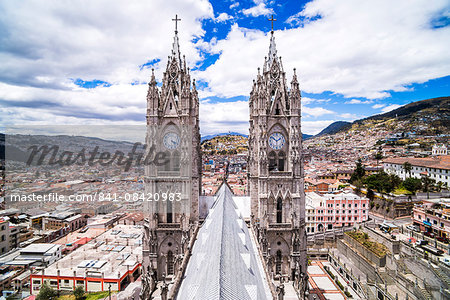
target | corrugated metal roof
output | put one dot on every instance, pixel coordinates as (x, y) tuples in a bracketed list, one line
[(224, 262)]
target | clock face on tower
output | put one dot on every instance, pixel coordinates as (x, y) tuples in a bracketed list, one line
[(171, 140), (276, 141)]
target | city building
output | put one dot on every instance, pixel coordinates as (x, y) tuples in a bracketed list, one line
[(433, 216), (4, 236), (112, 260), (66, 219), (329, 211), (34, 255), (436, 167), (439, 150)]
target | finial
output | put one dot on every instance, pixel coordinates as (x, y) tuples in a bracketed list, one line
[(271, 20), (258, 71), (176, 23)]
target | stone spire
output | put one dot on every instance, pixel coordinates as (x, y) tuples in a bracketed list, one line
[(272, 51), (176, 43)]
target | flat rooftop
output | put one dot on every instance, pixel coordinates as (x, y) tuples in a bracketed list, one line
[(111, 255), (38, 248)]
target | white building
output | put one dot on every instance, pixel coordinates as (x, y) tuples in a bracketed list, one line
[(112, 260), (35, 255), (439, 150), (436, 167)]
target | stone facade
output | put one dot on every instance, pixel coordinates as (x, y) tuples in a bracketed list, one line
[(276, 180), (172, 129)]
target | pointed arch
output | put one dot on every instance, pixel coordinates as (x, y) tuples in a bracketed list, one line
[(169, 212), (281, 161), (176, 161), (170, 263), (279, 208), (272, 161), (278, 262)]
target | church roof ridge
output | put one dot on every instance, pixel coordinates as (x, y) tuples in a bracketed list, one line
[(223, 263)]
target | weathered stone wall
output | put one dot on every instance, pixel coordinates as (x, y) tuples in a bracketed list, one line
[(393, 245), (372, 257), (358, 260)]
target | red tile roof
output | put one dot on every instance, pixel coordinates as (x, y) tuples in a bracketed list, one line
[(436, 162)]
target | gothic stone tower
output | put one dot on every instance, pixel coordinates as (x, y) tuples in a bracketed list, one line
[(276, 170), (172, 129)]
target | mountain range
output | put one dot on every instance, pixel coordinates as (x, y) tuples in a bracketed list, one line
[(434, 112)]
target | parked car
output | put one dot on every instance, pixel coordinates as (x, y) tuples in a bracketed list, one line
[(442, 239), (421, 243), (446, 261), (429, 234), (413, 228)]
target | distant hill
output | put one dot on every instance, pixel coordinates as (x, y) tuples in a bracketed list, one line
[(430, 116), (439, 105), (211, 136), (335, 127)]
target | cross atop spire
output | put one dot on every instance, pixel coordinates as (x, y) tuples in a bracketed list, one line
[(271, 20), (176, 23)]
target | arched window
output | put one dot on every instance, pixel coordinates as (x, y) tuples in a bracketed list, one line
[(170, 263), (169, 213), (272, 161), (176, 161), (272, 95), (279, 210), (277, 110), (281, 160), (278, 262)]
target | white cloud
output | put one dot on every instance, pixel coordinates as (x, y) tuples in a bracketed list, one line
[(45, 47), (348, 116), (224, 117), (316, 111), (356, 101), (223, 17), (234, 5), (294, 19), (377, 106), (258, 10), (306, 100), (392, 46), (314, 127), (390, 108)]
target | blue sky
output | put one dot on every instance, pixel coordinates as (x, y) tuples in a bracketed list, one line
[(65, 63)]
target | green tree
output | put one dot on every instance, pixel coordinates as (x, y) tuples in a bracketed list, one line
[(359, 172), (382, 182), (47, 293), (370, 194), (407, 167), (412, 184), (358, 186), (427, 184), (395, 180), (378, 157), (79, 293)]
